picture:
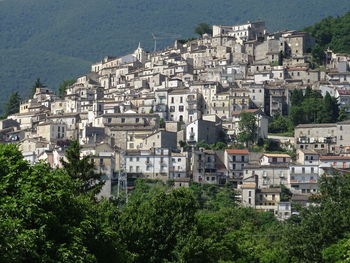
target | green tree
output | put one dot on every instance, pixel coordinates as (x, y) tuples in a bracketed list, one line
[(330, 109), (343, 114), (13, 104), (321, 225), (82, 169), (318, 54), (297, 97), (296, 115), (248, 128), (42, 219), (161, 123), (159, 229), (280, 124), (37, 84), (338, 252), (202, 29), (64, 85)]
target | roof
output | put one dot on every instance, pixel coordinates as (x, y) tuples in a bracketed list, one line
[(251, 185), (316, 125), (249, 110), (343, 92), (329, 157), (300, 198), (270, 190), (283, 155), (237, 151)]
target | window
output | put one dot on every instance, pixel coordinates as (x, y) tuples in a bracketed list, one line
[(138, 159), (250, 193), (181, 108), (172, 99), (181, 100), (137, 120), (123, 120)]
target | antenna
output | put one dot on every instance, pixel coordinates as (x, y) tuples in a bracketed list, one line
[(155, 42), (163, 36)]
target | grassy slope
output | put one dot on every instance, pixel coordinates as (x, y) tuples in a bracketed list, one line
[(56, 40)]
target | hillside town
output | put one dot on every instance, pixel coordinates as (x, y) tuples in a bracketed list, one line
[(184, 114)]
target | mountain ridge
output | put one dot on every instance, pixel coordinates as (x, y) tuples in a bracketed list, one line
[(63, 37)]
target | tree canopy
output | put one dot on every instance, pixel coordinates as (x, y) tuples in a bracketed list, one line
[(202, 29), (45, 217), (333, 33), (13, 104), (82, 169), (248, 128)]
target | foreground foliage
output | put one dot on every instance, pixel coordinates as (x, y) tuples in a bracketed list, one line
[(45, 217)]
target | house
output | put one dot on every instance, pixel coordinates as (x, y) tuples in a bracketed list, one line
[(235, 160), (204, 167), (160, 139), (202, 131), (152, 163)]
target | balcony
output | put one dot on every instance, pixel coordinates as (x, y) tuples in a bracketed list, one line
[(311, 140), (303, 181), (191, 107)]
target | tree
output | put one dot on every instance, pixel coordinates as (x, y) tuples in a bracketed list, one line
[(159, 229), (280, 124), (297, 97), (247, 127), (82, 169), (64, 85), (321, 225), (330, 110), (13, 104), (202, 29), (318, 54), (42, 219), (37, 84), (344, 113), (161, 123)]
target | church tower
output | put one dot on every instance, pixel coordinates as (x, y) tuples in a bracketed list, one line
[(140, 54)]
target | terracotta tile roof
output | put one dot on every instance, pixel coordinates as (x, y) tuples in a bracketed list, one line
[(252, 185), (277, 155), (237, 151)]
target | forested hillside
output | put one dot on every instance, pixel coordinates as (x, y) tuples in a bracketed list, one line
[(333, 33), (57, 40)]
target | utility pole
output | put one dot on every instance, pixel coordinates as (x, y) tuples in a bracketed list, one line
[(122, 176)]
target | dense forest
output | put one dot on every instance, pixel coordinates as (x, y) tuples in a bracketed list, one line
[(57, 40), (333, 33), (51, 215)]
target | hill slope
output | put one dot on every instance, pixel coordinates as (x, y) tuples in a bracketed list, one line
[(57, 40)]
